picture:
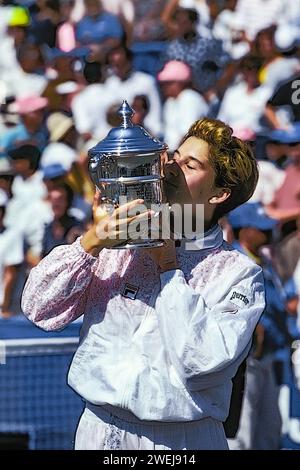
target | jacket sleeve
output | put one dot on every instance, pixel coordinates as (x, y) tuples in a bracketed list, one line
[(56, 291), (205, 343)]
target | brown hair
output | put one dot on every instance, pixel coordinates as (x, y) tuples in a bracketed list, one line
[(231, 158)]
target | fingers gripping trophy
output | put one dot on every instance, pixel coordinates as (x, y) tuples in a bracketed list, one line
[(126, 170)]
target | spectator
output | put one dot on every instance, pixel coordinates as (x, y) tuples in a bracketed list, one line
[(125, 83), (205, 56), (270, 165), (141, 108), (32, 126), (244, 102), (286, 96), (253, 230), (99, 30), (63, 150), (11, 257), (286, 203), (63, 141), (45, 21), (89, 106), (125, 11), (183, 105), (14, 33), (148, 24), (61, 66), (26, 210), (30, 74), (64, 228), (275, 67), (65, 33)]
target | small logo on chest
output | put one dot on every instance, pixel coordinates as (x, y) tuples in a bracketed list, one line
[(130, 291), (238, 296)]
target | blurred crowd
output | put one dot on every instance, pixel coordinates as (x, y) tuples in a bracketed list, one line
[(66, 66)]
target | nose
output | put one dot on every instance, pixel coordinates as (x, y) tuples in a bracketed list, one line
[(175, 158)]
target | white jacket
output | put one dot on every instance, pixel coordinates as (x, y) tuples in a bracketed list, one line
[(169, 353)]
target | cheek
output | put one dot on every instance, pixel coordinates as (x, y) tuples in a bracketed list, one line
[(198, 186)]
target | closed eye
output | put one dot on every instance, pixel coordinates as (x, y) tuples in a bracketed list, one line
[(191, 167)]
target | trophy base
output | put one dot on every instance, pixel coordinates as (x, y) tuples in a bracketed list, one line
[(134, 244)]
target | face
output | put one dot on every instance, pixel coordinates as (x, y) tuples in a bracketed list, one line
[(293, 151), (275, 151), (34, 119), (172, 89), (183, 24), (58, 201), (256, 238), (189, 176), (92, 7), (30, 60), (266, 45), (251, 78), (119, 64), (21, 166)]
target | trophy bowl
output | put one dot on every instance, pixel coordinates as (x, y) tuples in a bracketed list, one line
[(125, 166)]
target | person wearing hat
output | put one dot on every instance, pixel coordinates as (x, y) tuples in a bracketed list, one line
[(32, 127), (11, 257), (166, 329), (182, 105), (63, 150), (63, 137), (253, 229)]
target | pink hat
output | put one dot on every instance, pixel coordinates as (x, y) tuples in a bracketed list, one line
[(243, 133), (175, 70), (28, 104)]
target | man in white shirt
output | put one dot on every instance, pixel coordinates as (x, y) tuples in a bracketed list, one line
[(90, 105), (183, 105), (125, 83), (164, 330), (244, 102)]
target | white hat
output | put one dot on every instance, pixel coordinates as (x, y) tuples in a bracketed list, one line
[(58, 153)]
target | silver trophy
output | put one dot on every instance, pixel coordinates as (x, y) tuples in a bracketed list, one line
[(126, 165)]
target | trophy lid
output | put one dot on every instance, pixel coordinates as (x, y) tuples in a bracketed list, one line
[(127, 138)]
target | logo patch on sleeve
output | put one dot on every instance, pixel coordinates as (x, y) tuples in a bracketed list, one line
[(239, 299)]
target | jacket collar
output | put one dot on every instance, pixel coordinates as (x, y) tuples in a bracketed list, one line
[(209, 240)]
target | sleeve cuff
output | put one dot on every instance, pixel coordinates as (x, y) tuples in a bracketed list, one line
[(84, 256)]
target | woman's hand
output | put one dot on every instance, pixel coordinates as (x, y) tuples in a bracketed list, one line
[(109, 229), (165, 256)]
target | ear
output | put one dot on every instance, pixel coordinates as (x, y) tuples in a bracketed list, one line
[(221, 196)]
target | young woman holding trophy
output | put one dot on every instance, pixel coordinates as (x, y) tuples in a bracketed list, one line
[(165, 329)]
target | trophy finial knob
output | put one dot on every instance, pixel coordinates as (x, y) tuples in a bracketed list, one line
[(126, 113)]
